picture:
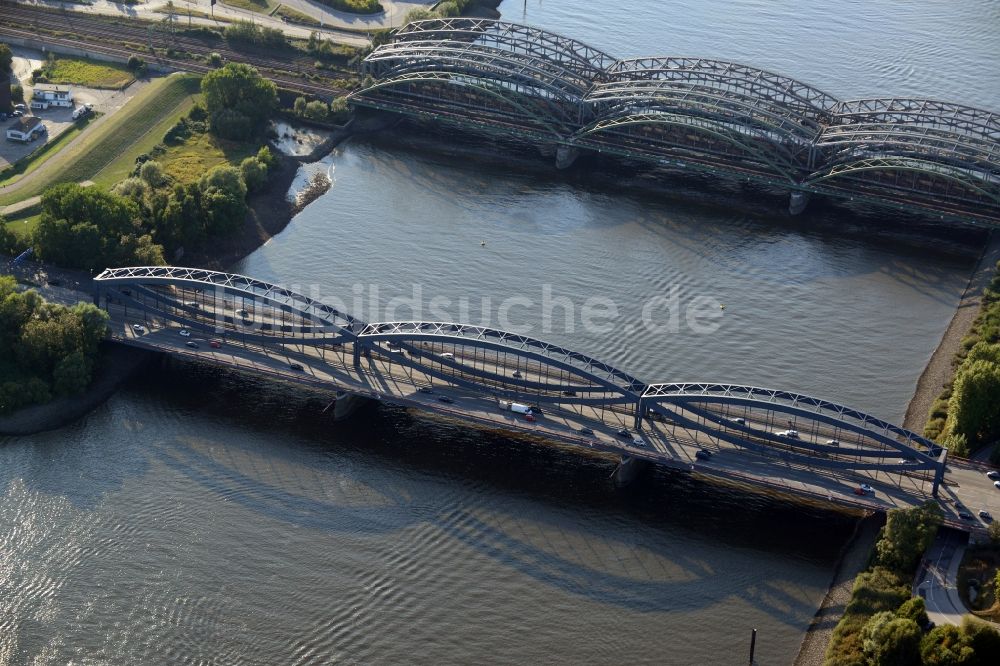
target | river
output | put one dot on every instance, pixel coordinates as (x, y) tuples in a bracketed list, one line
[(204, 517)]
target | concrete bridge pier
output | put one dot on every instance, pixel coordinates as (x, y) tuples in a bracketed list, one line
[(346, 404), (565, 156), (797, 202), (547, 149), (628, 470)]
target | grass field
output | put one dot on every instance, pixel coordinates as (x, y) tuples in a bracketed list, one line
[(112, 141), (37, 159), (23, 227), (88, 73), (261, 6), (295, 16), (187, 162)]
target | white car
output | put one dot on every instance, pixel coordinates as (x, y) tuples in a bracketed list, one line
[(791, 434), (138, 328), (185, 333), (738, 420)]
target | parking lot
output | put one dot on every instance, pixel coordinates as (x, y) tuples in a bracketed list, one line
[(56, 119)]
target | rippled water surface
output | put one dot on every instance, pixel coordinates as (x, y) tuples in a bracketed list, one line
[(200, 517)]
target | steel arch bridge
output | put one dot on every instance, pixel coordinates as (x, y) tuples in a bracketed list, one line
[(148, 305), (725, 118)]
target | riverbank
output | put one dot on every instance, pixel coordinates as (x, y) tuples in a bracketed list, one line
[(940, 367), (115, 364), (852, 561)]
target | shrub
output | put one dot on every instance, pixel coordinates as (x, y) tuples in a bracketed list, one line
[(215, 59), (152, 174), (254, 173)]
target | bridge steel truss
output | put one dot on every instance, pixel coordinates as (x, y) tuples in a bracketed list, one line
[(710, 115), (505, 365)]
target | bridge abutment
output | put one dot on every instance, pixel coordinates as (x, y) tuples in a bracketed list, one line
[(346, 404), (797, 202), (628, 470), (565, 156)]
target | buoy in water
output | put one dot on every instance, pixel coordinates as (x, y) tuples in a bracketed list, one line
[(482, 243)]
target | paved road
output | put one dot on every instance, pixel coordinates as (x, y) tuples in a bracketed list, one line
[(936, 579)]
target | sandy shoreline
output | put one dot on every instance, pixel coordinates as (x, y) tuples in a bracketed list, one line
[(938, 371)]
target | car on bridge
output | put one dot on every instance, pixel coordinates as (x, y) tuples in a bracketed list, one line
[(994, 476), (184, 333), (864, 489), (833, 442), (703, 454), (790, 434), (215, 344), (585, 431), (985, 515), (138, 328), (739, 420), (296, 366), (622, 432), (425, 389), (445, 399), (192, 345)]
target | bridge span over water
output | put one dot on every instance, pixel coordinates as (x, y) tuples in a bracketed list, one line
[(518, 81), (758, 437)]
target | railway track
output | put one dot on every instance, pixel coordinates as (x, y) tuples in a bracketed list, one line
[(121, 38)]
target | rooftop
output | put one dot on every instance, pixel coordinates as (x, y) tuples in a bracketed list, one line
[(26, 123)]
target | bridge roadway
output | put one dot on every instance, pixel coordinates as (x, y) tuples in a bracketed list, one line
[(661, 439)]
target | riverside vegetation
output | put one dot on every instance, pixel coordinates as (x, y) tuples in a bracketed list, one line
[(883, 625), (46, 350), (967, 414)]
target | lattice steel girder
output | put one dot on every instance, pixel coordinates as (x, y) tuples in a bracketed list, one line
[(955, 148), (988, 188), (398, 58), (527, 105), (728, 76), (453, 333), (944, 115), (802, 404), (606, 100), (766, 152), (255, 289), (584, 60)]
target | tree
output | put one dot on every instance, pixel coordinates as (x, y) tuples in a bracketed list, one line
[(6, 58), (888, 640), (72, 374), (994, 532), (254, 173), (946, 646), (299, 107), (907, 534), (94, 324), (152, 174), (267, 158), (8, 240), (240, 90), (914, 609), (984, 640), (973, 409), (223, 199)]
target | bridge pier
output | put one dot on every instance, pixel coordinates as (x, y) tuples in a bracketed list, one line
[(346, 404), (547, 149), (628, 470), (797, 202), (565, 156)]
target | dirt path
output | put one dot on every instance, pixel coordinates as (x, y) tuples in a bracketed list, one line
[(939, 369)]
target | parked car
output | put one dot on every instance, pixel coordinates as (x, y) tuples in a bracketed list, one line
[(703, 454)]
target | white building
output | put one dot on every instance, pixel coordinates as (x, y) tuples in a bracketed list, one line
[(51, 95), (25, 128)]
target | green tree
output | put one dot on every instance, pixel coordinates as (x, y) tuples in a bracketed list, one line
[(72, 374), (907, 534), (946, 645), (94, 325), (974, 410), (254, 173), (8, 240), (299, 107), (914, 609), (267, 158), (888, 640), (994, 532), (984, 640), (223, 199), (6, 58), (152, 174), (240, 90)]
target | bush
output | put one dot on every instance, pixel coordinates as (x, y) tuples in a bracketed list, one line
[(135, 63), (215, 59), (238, 100), (152, 174), (355, 6), (254, 173)]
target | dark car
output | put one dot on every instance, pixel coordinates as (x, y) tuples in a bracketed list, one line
[(295, 366), (703, 454), (425, 389), (570, 394), (965, 515), (585, 431), (622, 432), (985, 515), (445, 399), (192, 345)]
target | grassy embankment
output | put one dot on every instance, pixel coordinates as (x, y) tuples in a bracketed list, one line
[(85, 72), (259, 6), (107, 154), (295, 16)]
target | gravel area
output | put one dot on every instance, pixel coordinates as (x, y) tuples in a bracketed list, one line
[(852, 562), (939, 369)]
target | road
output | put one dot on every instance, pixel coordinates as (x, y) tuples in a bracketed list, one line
[(659, 442), (936, 579)]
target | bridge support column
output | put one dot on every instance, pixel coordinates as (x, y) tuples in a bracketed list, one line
[(628, 470), (939, 472), (797, 202), (640, 413), (357, 354), (565, 156), (346, 404)]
